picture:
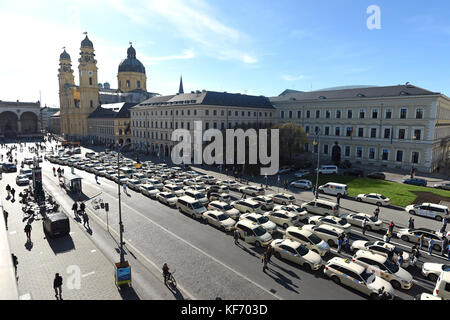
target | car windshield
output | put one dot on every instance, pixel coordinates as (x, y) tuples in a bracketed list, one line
[(227, 207), (369, 244), (368, 277), (382, 197), (176, 188), (222, 217), (398, 251), (342, 221), (373, 219), (170, 195), (259, 231), (314, 239), (262, 220), (391, 266), (302, 250), (196, 205)]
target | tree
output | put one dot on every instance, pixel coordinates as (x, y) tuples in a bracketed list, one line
[(292, 139)]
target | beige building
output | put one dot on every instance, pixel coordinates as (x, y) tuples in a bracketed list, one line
[(395, 126), (153, 120), (55, 123), (20, 119)]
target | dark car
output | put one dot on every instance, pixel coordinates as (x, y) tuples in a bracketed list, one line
[(416, 182), (355, 172), (56, 224), (377, 175), (9, 167)]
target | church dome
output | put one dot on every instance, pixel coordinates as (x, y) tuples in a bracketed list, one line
[(86, 43), (64, 55), (131, 64)]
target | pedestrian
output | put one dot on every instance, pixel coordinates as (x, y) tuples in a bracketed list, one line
[(269, 252), (376, 212), (82, 207), (86, 220), (444, 223), (15, 262), (410, 223), (444, 245), (57, 285), (313, 190), (391, 226), (236, 237), (391, 255), (338, 199), (8, 189), (386, 237), (339, 244), (346, 243), (96, 178), (430, 246), (62, 171), (5, 215), (13, 192), (364, 227), (27, 230), (421, 238), (400, 260), (75, 209), (264, 261), (124, 188), (59, 172), (54, 171)]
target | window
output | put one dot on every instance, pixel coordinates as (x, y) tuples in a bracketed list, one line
[(215, 125), (337, 131), (243, 113), (223, 125), (206, 126), (374, 113), (419, 113), (282, 114), (128, 83), (373, 132), (387, 133), (399, 157), (317, 114), (415, 157), (90, 81), (307, 129), (359, 152), (189, 112), (327, 131), (401, 133), (371, 153), (338, 114), (417, 134), (388, 114), (403, 112), (349, 114), (236, 113), (222, 113), (206, 112), (325, 149), (299, 114), (290, 114), (362, 113), (91, 103), (188, 125), (308, 114), (347, 151), (327, 114), (195, 112), (360, 132), (215, 112), (138, 84), (349, 131)]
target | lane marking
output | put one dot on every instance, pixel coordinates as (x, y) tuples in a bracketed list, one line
[(87, 274), (93, 250), (12, 232)]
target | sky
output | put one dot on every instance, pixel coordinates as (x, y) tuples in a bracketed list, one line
[(257, 47)]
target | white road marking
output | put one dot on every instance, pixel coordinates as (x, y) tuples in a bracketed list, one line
[(87, 274), (93, 250), (72, 232), (12, 232)]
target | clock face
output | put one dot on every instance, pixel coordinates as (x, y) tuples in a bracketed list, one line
[(90, 73)]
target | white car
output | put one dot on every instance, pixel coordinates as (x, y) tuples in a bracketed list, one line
[(330, 220), (196, 187), (385, 268), (260, 219), (303, 184), (325, 232), (328, 169), (382, 248), (433, 270), (283, 198), (413, 235), (22, 179), (231, 184), (208, 179), (133, 184), (247, 205), (292, 208), (225, 208), (149, 190), (156, 183), (283, 218), (301, 173), (308, 239), (176, 190), (251, 190), (353, 275), (431, 210), (357, 219), (167, 198), (374, 198), (218, 219), (296, 253), (265, 201), (190, 182)]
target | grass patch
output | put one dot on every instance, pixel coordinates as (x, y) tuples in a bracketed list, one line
[(399, 193)]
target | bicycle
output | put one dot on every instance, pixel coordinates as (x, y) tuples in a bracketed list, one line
[(171, 280)]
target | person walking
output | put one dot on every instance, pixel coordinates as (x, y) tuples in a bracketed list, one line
[(236, 237), (444, 245), (339, 244), (346, 243), (410, 223), (15, 262), (27, 230), (75, 209), (400, 260), (8, 190), (421, 238), (391, 226), (269, 252), (444, 224), (96, 178), (264, 261), (376, 212), (5, 215), (86, 220), (364, 227), (57, 285), (430, 246), (82, 207), (124, 188), (54, 171), (13, 192), (338, 199), (386, 237)]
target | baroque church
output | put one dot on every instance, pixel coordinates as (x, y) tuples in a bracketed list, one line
[(77, 102)]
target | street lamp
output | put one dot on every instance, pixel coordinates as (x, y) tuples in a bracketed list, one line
[(316, 196)]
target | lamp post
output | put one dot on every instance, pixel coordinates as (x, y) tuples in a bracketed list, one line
[(316, 196)]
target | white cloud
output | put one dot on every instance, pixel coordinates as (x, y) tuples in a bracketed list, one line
[(289, 77), (187, 54)]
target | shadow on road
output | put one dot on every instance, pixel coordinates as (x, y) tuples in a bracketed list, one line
[(61, 244), (128, 293), (281, 279)]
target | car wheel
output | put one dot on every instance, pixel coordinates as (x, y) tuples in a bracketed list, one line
[(336, 280), (285, 226), (358, 199), (258, 244), (307, 267), (405, 238), (277, 255), (432, 277), (438, 218), (412, 212), (369, 228), (396, 284), (222, 228), (437, 247), (330, 242)]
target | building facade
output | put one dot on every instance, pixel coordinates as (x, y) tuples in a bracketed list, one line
[(154, 120), (55, 123), (46, 113), (20, 119), (397, 126)]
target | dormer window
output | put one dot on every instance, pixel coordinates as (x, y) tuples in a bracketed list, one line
[(403, 93), (360, 95)]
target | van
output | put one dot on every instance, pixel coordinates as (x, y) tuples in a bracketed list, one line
[(442, 288), (252, 232), (190, 206), (430, 210), (334, 189), (328, 169), (322, 207), (55, 224)]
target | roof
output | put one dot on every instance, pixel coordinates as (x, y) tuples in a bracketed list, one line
[(112, 110), (131, 64), (210, 98), (86, 43), (64, 55), (347, 263), (355, 93)]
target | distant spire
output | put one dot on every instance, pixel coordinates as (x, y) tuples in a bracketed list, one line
[(180, 90)]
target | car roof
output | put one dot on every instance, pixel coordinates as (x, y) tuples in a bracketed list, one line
[(252, 214), (370, 255), (291, 243), (325, 202), (304, 232), (222, 203), (335, 229), (248, 223), (445, 275), (434, 205), (348, 264)]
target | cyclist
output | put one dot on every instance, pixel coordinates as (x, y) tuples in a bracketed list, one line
[(166, 272)]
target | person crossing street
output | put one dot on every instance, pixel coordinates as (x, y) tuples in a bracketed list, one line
[(57, 286)]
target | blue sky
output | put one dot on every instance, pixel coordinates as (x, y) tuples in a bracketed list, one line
[(250, 46)]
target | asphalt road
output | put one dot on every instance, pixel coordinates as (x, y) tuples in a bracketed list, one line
[(207, 262)]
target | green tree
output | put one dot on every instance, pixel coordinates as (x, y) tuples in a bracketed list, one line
[(292, 139)]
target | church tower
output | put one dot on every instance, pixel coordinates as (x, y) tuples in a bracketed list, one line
[(66, 90), (131, 75), (89, 92)]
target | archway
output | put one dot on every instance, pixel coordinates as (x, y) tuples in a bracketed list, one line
[(29, 122), (336, 153), (8, 124)]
